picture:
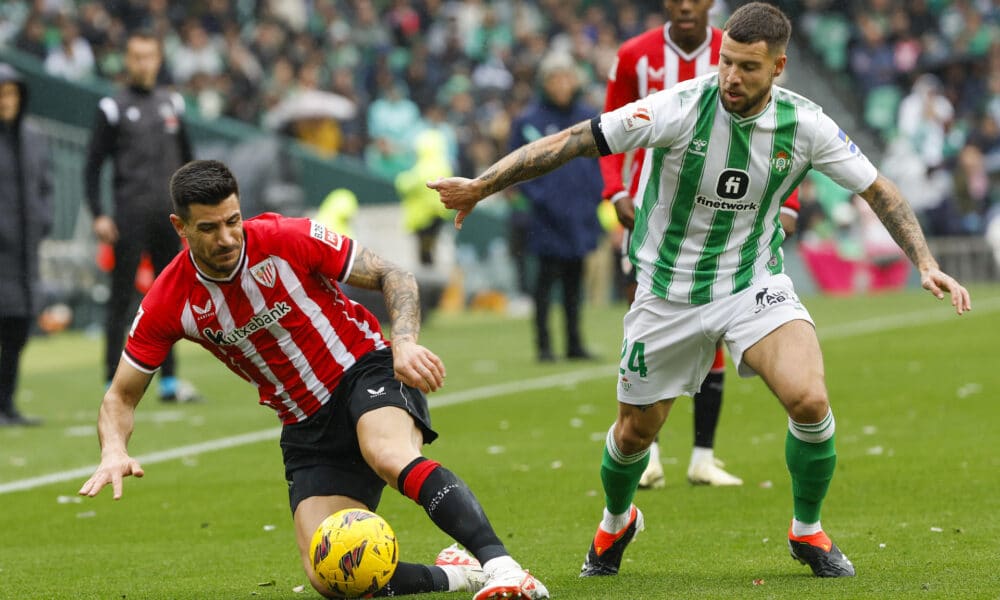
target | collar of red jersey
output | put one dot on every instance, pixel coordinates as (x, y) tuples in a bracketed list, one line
[(688, 56), (228, 278)]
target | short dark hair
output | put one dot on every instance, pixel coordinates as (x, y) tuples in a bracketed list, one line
[(759, 21), (143, 34), (206, 182)]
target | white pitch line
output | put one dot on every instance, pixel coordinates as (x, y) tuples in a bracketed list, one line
[(845, 330), (539, 383), (917, 317), (152, 458)]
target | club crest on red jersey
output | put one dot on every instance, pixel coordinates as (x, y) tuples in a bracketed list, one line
[(265, 272)]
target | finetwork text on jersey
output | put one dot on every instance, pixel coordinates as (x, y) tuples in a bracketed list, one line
[(722, 205)]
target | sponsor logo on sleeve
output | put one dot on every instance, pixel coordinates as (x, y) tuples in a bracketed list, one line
[(327, 236), (851, 146), (641, 117)]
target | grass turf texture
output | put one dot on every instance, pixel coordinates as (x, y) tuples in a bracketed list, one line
[(915, 502)]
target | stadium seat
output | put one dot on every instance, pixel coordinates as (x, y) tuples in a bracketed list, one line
[(829, 40), (880, 108)]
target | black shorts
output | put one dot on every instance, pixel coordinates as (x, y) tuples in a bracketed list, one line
[(321, 454)]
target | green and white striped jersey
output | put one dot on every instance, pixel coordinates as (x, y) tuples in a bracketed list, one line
[(712, 185)]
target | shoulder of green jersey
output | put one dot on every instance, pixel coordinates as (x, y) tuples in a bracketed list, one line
[(798, 100), (694, 88)]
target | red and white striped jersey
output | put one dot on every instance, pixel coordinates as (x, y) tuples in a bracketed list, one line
[(280, 321), (645, 64)]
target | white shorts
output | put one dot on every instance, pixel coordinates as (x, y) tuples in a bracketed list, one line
[(669, 347)]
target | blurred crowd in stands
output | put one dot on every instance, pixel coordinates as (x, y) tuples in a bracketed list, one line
[(927, 77), (464, 68), (926, 73)]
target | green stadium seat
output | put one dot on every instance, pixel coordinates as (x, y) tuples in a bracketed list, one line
[(881, 106), (830, 38)]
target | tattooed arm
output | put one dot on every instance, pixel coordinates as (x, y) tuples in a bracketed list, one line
[(372, 272), (529, 161), (413, 364), (897, 216)]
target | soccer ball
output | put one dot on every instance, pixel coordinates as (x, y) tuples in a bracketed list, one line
[(354, 552)]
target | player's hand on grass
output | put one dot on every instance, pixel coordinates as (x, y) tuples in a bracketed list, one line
[(937, 282), (113, 469), (416, 366), (458, 193)]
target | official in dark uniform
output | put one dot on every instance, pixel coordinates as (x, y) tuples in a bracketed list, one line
[(562, 225), (25, 218), (141, 130)]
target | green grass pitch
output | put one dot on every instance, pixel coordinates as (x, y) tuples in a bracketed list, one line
[(915, 502)]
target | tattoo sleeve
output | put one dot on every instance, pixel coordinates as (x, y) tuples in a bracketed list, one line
[(540, 157), (897, 216), (399, 288)]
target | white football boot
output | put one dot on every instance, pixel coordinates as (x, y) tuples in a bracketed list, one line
[(509, 581), (465, 574), (709, 471), (652, 477)]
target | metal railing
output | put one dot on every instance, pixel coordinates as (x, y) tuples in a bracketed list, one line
[(966, 258)]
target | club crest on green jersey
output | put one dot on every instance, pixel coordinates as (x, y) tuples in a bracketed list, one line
[(781, 162)]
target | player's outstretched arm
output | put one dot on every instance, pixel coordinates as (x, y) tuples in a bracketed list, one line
[(413, 364), (114, 428), (897, 216), (528, 161)]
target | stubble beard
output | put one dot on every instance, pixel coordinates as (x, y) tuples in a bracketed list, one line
[(743, 106)]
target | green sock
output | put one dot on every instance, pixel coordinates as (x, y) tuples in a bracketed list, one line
[(811, 466), (620, 476)]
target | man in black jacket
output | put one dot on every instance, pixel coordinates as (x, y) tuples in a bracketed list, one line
[(26, 206), (140, 128)]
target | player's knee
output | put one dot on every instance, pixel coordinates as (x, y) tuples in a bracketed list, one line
[(318, 585), (389, 462), (635, 436), (809, 406)]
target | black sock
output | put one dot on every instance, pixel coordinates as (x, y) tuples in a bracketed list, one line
[(707, 406), (411, 578), (450, 503)]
